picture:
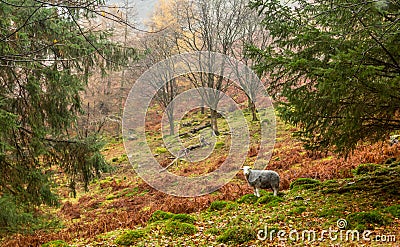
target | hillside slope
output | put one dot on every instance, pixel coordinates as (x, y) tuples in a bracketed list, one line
[(121, 200)]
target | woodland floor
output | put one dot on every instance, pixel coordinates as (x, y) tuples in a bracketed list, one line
[(120, 209)]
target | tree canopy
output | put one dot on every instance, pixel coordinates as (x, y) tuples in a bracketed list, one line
[(46, 56), (334, 68)]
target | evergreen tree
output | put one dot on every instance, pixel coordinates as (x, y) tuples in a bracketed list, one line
[(334, 67), (46, 56)]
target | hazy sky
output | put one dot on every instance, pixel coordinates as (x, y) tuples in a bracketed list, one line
[(143, 8)]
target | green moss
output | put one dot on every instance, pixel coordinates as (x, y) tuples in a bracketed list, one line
[(237, 235), (130, 237), (176, 228), (184, 218), (160, 150), (395, 164), (305, 183), (365, 169), (393, 210), (213, 231), (367, 218), (217, 205), (298, 210), (331, 212), (132, 192), (249, 198), (219, 144), (270, 200), (56, 243), (160, 215)]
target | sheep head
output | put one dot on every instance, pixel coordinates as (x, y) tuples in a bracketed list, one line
[(246, 170)]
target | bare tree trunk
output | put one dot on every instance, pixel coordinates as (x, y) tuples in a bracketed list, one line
[(202, 108), (253, 109), (214, 123), (171, 122)]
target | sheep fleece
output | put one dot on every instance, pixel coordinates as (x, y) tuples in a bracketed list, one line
[(264, 180)]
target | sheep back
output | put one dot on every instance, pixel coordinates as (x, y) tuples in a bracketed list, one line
[(263, 179)]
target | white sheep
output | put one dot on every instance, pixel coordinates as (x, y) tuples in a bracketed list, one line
[(262, 179)]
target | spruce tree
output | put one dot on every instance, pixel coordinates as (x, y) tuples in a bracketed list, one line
[(46, 57), (334, 68)]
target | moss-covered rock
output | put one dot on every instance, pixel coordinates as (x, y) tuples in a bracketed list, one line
[(160, 215), (368, 219), (217, 205), (130, 237), (176, 228), (304, 183), (237, 235), (184, 218), (366, 168)]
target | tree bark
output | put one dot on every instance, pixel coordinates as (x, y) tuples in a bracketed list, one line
[(171, 122), (214, 123), (253, 109)]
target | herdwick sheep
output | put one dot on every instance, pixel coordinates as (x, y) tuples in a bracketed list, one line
[(261, 179)]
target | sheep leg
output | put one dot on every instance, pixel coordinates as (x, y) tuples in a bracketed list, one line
[(256, 192), (275, 191)]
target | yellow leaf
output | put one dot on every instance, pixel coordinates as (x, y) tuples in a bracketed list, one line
[(55, 41)]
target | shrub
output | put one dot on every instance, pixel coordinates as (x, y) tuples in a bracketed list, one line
[(217, 205), (12, 217), (56, 243), (305, 183), (129, 237), (176, 228), (160, 215), (237, 235), (184, 218)]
